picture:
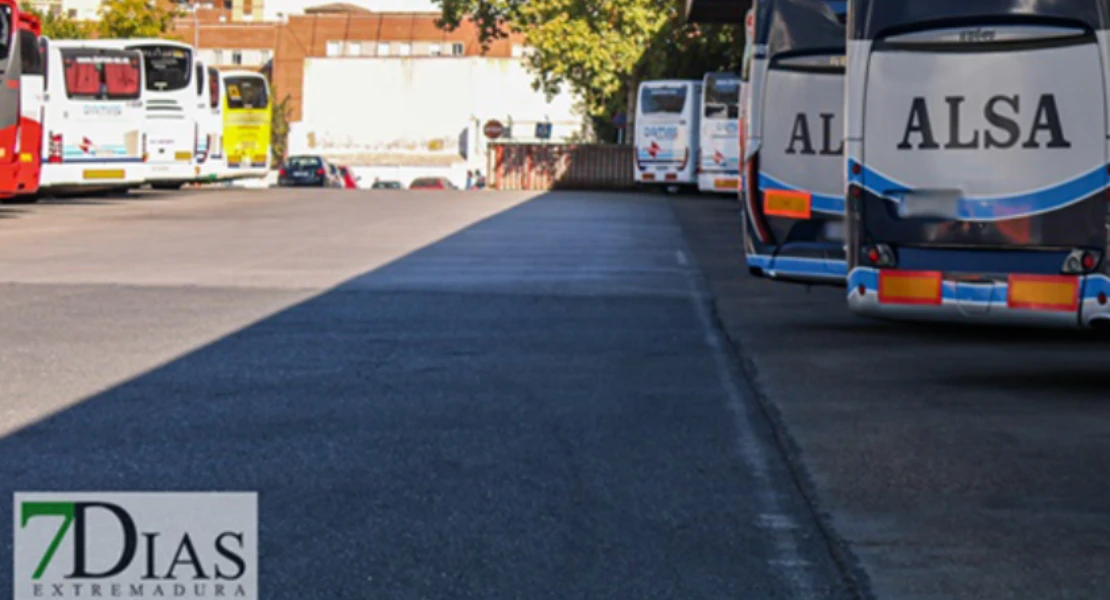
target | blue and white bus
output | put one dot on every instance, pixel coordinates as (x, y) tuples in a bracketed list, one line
[(719, 145), (793, 175), (978, 148), (666, 142)]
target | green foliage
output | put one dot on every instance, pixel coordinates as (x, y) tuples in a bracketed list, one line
[(60, 27), (134, 19), (602, 49), (279, 130)]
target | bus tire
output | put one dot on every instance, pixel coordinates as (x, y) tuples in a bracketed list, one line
[(167, 186), (29, 199)]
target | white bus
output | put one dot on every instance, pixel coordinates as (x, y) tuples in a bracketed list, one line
[(92, 116), (666, 141), (978, 148), (719, 143), (210, 126), (794, 179), (169, 102)]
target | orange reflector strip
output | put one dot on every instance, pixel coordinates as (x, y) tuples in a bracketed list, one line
[(26, 157), (909, 287), (1043, 292), (786, 203), (725, 184), (649, 176)]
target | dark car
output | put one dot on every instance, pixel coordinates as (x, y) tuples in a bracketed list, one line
[(432, 183), (306, 170), (386, 185)]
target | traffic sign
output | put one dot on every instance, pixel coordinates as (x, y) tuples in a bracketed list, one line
[(493, 129), (620, 120), (543, 131)]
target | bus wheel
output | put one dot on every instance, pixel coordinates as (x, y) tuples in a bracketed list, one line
[(29, 199), (167, 186)]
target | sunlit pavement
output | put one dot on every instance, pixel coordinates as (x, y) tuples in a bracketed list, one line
[(448, 395), (437, 395)]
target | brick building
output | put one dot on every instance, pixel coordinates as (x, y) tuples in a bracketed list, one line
[(332, 30)]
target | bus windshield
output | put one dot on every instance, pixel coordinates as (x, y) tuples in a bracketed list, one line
[(722, 97), (874, 17), (5, 32), (246, 93), (664, 99), (167, 68), (100, 74), (800, 25)]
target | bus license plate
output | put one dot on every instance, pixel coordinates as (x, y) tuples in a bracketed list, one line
[(930, 204), (834, 231), (183, 156), (103, 174), (725, 184)]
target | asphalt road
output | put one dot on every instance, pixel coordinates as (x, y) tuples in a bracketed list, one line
[(440, 395), (451, 395)]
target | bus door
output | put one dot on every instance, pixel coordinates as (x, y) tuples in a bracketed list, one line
[(794, 170), (978, 159), (9, 99), (31, 92)]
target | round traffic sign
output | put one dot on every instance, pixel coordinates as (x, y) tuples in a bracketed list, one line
[(493, 129)]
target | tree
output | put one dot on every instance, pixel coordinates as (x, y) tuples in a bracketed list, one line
[(279, 129), (60, 27), (602, 49), (134, 19)]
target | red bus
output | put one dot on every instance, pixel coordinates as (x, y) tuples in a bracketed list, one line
[(21, 91)]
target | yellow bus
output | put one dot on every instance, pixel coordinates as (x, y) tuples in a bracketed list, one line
[(247, 113)]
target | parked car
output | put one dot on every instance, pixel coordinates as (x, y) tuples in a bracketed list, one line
[(308, 170), (349, 180), (432, 183), (387, 185)]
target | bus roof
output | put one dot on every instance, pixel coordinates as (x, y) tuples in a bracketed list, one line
[(871, 18), (669, 82), (800, 25), (91, 44), (242, 73), (127, 43)]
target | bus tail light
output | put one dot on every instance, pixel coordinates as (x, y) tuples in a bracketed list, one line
[(55, 148), (880, 255), (145, 155), (671, 177), (1080, 262)]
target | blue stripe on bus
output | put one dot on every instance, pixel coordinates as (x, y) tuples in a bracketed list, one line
[(840, 7), (999, 208), (977, 293), (790, 265), (820, 202)]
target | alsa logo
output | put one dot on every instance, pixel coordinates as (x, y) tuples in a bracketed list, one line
[(801, 139), (660, 132), (1003, 113), (653, 150), (977, 35)]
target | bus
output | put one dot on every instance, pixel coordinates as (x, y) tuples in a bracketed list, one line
[(209, 123), (248, 113), (169, 103), (718, 150), (793, 176), (977, 138), (28, 147), (666, 141), (93, 117)]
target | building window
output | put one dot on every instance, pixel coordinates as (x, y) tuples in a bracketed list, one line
[(56, 10), (435, 50), (218, 57), (72, 13), (404, 49), (354, 48), (458, 49), (334, 49), (383, 48), (236, 57), (266, 56), (517, 51)]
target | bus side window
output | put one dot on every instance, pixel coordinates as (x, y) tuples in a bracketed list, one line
[(82, 79), (30, 54), (44, 50), (121, 80)]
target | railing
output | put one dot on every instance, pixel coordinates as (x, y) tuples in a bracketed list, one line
[(560, 166)]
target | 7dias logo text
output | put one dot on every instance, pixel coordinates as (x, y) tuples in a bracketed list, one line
[(188, 546)]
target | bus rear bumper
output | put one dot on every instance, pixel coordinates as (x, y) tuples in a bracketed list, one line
[(176, 172), (720, 182), (986, 303), (93, 175)]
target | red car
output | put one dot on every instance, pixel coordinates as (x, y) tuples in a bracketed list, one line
[(432, 183), (349, 180)]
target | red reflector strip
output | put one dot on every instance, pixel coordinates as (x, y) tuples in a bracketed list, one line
[(1043, 292), (787, 203), (671, 176), (910, 287), (649, 176)]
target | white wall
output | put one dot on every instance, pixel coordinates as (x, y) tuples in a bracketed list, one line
[(426, 107), (273, 8)]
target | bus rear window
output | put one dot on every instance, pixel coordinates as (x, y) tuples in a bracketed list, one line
[(879, 17), (167, 67), (663, 100), (246, 93), (101, 74), (722, 98)]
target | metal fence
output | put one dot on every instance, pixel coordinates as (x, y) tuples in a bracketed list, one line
[(560, 166)]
